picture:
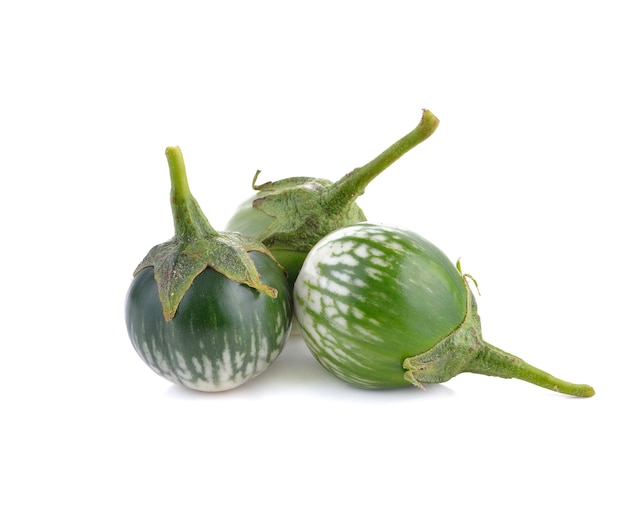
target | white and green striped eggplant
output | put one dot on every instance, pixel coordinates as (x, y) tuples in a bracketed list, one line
[(223, 334), (207, 310), (382, 307)]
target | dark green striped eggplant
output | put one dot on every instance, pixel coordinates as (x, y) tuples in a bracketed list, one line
[(291, 215), (381, 307), (208, 310)]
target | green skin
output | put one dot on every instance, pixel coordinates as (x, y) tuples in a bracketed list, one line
[(224, 333), (291, 215), (381, 307), (207, 309)]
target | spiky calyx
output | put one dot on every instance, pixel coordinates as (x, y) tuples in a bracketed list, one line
[(197, 246)]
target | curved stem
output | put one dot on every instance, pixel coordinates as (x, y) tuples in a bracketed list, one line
[(189, 220), (492, 361), (465, 350), (352, 185)]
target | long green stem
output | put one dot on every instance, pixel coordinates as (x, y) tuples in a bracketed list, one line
[(189, 220), (492, 361), (352, 185), (178, 172), (465, 350)]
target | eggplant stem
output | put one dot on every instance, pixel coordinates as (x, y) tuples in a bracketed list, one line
[(352, 185), (492, 361), (465, 350), (189, 220)]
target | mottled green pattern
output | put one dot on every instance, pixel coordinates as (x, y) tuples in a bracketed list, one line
[(369, 296), (223, 334), (382, 307)]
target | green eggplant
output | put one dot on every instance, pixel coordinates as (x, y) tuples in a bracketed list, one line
[(207, 310), (382, 307), (289, 216)]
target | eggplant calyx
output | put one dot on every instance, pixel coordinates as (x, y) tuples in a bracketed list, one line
[(451, 355), (197, 246), (465, 350), (300, 217), (305, 209)]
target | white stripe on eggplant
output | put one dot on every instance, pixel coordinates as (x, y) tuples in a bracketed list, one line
[(201, 373)]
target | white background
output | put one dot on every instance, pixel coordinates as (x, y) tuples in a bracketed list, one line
[(522, 180)]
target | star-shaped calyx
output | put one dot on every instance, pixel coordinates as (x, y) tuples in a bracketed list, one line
[(306, 209), (301, 212), (197, 246)]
